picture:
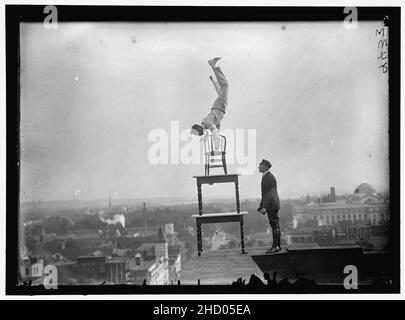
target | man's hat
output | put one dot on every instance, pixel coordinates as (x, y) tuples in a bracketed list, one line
[(266, 163)]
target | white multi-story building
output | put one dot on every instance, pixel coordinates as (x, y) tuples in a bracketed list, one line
[(364, 205), (158, 273)]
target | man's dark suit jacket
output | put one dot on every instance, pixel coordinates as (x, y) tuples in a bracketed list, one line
[(270, 200)]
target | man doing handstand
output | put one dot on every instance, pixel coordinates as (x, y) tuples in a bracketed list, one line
[(212, 122)]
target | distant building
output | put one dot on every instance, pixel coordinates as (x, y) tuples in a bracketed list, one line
[(358, 232), (156, 263), (116, 269), (152, 261), (166, 254), (139, 270), (370, 237), (364, 206), (159, 272), (303, 236), (359, 218), (326, 236), (259, 239), (31, 268), (155, 272), (174, 267), (175, 264), (146, 250), (66, 269), (91, 267)]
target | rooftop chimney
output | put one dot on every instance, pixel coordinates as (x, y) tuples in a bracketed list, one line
[(332, 194)]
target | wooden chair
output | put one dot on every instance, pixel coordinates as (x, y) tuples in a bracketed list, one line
[(212, 156)]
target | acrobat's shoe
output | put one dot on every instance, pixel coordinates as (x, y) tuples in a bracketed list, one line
[(212, 62)]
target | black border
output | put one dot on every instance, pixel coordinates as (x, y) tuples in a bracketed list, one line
[(30, 13)]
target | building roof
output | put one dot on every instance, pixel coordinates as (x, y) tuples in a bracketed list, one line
[(145, 246), (364, 188), (91, 259), (118, 259)]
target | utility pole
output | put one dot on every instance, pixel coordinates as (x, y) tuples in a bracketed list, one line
[(145, 221)]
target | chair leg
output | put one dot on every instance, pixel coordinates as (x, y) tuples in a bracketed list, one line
[(224, 164)]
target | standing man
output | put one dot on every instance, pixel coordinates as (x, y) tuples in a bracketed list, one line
[(270, 203)]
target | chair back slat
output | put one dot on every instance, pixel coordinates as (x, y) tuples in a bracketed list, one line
[(211, 153)]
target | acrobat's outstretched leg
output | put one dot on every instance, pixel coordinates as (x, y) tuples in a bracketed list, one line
[(216, 85), (221, 85)]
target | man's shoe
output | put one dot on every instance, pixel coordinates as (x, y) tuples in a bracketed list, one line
[(272, 250)]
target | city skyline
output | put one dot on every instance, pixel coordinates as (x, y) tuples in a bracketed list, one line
[(112, 202)]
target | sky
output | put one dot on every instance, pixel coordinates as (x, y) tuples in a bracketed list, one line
[(94, 94)]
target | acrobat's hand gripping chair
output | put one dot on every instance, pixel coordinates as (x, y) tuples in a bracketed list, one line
[(213, 155)]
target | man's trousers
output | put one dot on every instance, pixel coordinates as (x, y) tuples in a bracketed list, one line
[(275, 227)]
